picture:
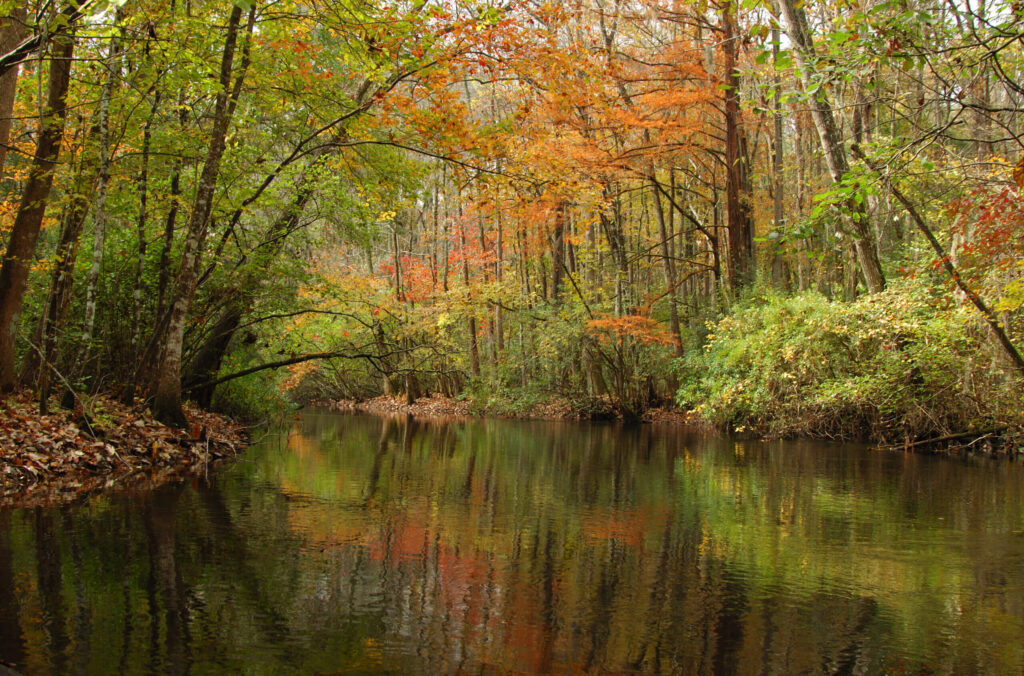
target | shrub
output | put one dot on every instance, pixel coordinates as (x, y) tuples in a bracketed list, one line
[(903, 364)]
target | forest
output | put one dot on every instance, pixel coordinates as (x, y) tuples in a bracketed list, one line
[(790, 218)]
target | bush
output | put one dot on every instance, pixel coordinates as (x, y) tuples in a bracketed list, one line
[(903, 364)]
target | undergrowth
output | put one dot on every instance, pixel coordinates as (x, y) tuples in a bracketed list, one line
[(901, 365)]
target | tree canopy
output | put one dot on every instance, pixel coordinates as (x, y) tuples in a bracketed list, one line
[(508, 199)]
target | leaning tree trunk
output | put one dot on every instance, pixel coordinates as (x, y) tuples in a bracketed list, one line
[(167, 396), (210, 355), (835, 156), (25, 231), (41, 365), (11, 33)]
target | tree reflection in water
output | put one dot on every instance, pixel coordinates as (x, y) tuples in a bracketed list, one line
[(390, 545)]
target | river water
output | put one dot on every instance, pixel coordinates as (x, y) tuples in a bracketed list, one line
[(358, 544)]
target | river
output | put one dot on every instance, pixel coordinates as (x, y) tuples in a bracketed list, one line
[(359, 544)]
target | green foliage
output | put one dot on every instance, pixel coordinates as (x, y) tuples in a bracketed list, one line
[(899, 364), (251, 399)]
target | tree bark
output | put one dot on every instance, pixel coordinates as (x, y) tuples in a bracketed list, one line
[(11, 58), (474, 349), (38, 365), (25, 231), (140, 257), (740, 225), (669, 269), (558, 252), (779, 275), (99, 219), (835, 156), (12, 30), (211, 355), (167, 396)]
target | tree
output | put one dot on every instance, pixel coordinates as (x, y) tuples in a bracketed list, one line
[(25, 231), (167, 395), (795, 20)]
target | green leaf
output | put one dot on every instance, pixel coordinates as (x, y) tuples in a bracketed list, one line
[(784, 60)]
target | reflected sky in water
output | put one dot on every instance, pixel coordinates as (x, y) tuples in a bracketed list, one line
[(359, 544)]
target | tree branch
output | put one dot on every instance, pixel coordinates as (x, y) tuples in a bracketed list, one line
[(990, 317)]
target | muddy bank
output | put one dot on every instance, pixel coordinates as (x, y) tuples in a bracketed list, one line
[(67, 454)]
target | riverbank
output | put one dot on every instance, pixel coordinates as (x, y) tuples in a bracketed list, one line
[(47, 459), (1005, 440), (551, 409)]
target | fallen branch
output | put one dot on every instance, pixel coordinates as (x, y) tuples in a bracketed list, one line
[(946, 438)]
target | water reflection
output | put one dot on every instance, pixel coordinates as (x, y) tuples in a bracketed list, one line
[(361, 544)]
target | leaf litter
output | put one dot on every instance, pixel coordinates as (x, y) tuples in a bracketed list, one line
[(55, 458)]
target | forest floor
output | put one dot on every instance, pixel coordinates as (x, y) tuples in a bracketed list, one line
[(55, 458), (553, 409)]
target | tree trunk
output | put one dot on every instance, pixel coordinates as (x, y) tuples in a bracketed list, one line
[(499, 271), (167, 397), (835, 156), (740, 224), (474, 349), (211, 354), (164, 278), (99, 219), (12, 30), (669, 269), (208, 360), (997, 327), (128, 395), (558, 252), (57, 27), (25, 231), (61, 280), (779, 276)]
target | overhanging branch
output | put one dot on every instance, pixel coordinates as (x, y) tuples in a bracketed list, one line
[(279, 364)]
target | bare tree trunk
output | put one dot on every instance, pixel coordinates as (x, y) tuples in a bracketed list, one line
[(58, 26), (835, 156), (210, 356), (172, 216), (167, 396), (25, 231)]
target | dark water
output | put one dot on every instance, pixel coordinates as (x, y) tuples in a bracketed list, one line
[(356, 544)]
